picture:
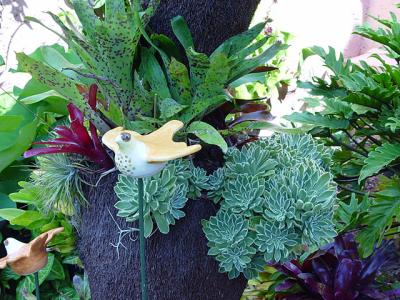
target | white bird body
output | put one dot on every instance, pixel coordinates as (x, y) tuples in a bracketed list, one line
[(12, 245), (140, 156), (132, 160)]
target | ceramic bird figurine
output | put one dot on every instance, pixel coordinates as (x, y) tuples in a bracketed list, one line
[(25, 259), (145, 155)]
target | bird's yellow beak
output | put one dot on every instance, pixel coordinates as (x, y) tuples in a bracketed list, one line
[(110, 138)]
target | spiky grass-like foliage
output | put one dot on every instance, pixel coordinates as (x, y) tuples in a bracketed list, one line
[(58, 183)]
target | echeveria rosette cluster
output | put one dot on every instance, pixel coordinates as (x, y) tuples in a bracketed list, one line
[(336, 273), (280, 188), (165, 194), (243, 195), (230, 242)]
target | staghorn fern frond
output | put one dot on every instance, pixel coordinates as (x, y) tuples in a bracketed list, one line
[(281, 189)]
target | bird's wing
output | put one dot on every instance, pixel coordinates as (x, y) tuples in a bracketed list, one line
[(39, 243), (161, 146), (164, 134), (166, 152), (51, 233), (3, 262)]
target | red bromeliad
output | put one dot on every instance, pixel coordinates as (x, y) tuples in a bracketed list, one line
[(76, 139)]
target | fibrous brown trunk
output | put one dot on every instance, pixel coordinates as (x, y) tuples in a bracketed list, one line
[(210, 21), (178, 266)]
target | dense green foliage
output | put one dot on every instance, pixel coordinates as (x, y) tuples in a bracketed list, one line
[(276, 197), (37, 218), (360, 108), (161, 87)]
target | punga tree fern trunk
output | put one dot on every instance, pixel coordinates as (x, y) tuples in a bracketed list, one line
[(177, 264)]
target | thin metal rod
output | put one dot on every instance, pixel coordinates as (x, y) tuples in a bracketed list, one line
[(37, 290), (142, 241)]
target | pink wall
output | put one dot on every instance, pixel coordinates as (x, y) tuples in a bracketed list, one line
[(378, 8)]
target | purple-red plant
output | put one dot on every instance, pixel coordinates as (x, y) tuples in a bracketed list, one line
[(336, 273), (76, 139)]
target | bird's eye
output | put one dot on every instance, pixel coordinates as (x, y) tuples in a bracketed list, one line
[(126, 137)]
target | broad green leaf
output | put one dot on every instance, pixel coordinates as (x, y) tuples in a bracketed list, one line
[(249, 78), (66, 293), (73, 260), (168, 46), (318, 120), (154, 74), (349, 215), (10, 122), (335, 106), (199, 63), (182, 32), (28, 194), (180, 82), (8, 274), (142, 127), (210, 92), (250, 125), (15, 138), (57, 271), (56, 60), (22, 143), (169, 108), (10, 213), (114, 113), (378, 159), (28, 218), (239, 42), (40, 97), (114, 9), (208, 134), (333, 61), (247, 65), (5, 203)]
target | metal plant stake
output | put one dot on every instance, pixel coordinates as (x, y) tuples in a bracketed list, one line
[(37, 290), (142, 156), (142, 241)]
